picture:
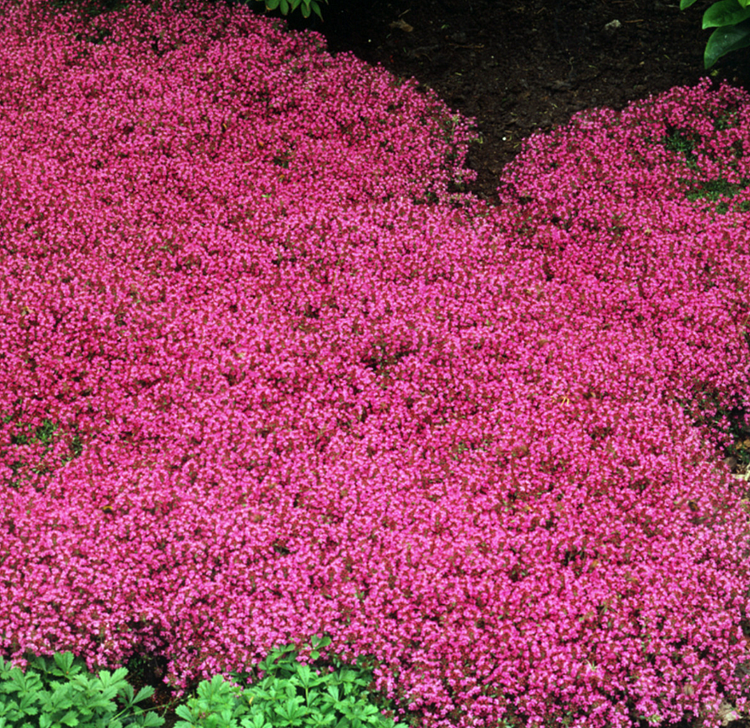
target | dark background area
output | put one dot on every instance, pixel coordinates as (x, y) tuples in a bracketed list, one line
[(519, 66)]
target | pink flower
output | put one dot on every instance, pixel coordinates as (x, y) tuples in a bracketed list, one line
[(479, 444)]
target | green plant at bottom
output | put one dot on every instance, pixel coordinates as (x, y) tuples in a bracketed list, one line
[(59, 693), (291, 694)]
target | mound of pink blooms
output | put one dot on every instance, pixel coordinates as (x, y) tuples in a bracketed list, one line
[(481, 445)]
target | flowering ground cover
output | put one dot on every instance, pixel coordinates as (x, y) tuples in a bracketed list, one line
[(268, 374)]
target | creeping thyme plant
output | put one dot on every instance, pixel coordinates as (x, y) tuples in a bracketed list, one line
[(269, 372)]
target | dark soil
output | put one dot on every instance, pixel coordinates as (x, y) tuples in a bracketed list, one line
[(519, 66)]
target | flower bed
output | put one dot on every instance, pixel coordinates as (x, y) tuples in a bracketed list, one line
[(257, 389)]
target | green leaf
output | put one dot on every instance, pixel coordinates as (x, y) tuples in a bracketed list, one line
[(39, 663), (261, 692), (186, 714), (350, 680), (257, 721), (143, 694), (723, 13), (323, 641), (322, 721), (307, 678), (6, 667), (282, 656), (126, 693), (151, 720), (292, 712), (64, 662), (115, 679), (333, 691), (70, 718), (284, 5), (726, 40), (215, 689), (686, 4), (24, 683), (109, 693), (272, 4)]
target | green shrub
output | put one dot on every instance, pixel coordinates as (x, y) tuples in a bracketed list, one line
[(290, 694), (59, 693)]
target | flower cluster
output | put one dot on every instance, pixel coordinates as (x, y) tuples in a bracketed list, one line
[(478, 444)]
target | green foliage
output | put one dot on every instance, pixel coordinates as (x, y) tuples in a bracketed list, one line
[(683, 142), (713, 190), (306, 7), (291, 694), (25, 434), (719, 190), (731, 18), (59, 693)]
